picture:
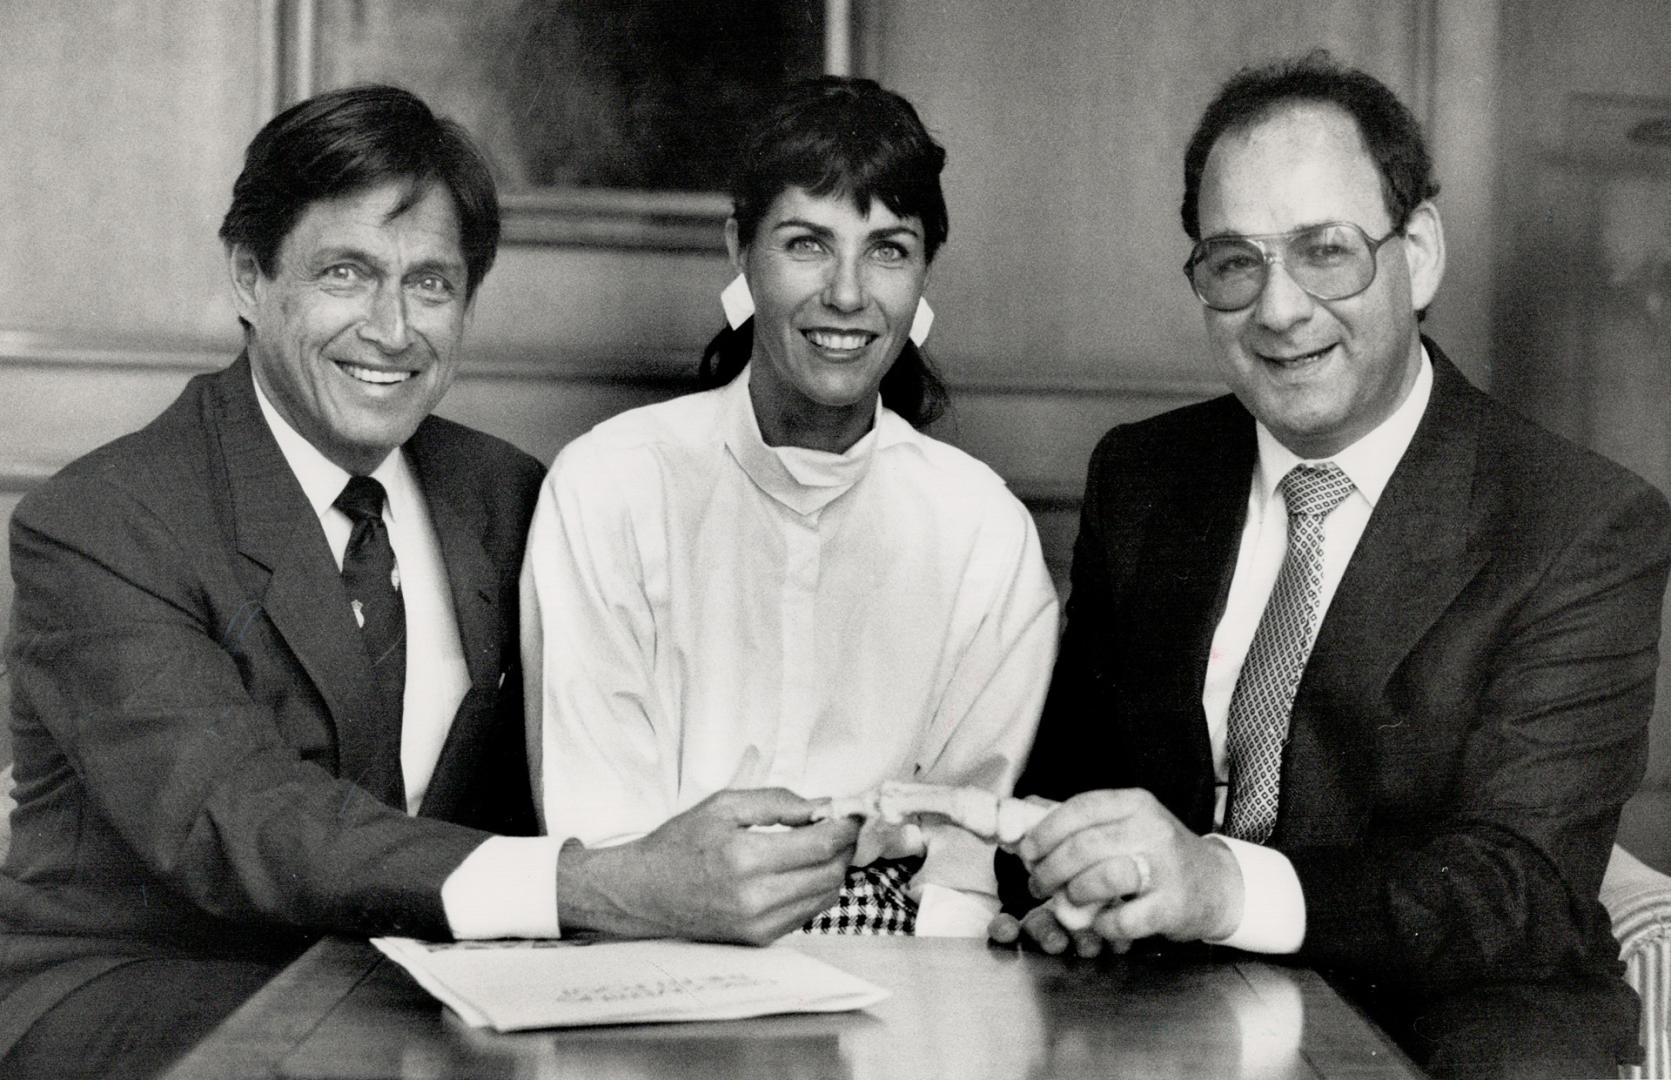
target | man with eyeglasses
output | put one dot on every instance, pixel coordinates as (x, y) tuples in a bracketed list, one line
[(1358, 664)]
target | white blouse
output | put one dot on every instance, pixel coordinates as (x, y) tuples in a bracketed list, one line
[(702, 611)]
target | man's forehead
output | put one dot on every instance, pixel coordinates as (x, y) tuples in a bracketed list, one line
[(394, 209), (1299, 163)]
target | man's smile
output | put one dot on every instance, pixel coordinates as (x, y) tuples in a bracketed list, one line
[(1297, 360), (375, 376)]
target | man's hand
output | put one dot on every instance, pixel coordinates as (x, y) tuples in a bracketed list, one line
[(1041, 927), (709, 875), (1125, 851)]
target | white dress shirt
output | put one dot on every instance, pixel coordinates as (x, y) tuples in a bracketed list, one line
[(702, 611), (1273, 912), (507, 887)]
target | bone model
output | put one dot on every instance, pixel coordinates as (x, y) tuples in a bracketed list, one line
[(994, 818)]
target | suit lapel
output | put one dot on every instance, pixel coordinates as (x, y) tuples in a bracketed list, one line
[(1213, 520), (460, 521), (1416, 554), (1182, 581), (276, 530), (460, 518)]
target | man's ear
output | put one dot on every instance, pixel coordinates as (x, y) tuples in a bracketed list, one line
[(246, 276), (1424, 253), (733, 245)]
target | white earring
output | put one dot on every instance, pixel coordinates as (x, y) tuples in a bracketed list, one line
[(922, 322), (737, 301)]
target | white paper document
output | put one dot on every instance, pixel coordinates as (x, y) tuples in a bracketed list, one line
[(517, 985)]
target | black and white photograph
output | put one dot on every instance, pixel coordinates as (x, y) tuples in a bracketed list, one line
[(835, 539)]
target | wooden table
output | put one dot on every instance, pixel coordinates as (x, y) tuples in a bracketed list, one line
[(959, 1009)]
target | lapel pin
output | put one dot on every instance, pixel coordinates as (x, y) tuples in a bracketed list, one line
[(359, 613), (394, 579)]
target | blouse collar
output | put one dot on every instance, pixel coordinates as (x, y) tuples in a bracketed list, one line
[(803, 480)]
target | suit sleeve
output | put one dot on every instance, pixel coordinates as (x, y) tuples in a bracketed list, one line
[(1503, 884), (119, 667), (1061, 764)]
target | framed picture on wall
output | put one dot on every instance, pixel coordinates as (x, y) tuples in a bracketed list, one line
[(607, 123)]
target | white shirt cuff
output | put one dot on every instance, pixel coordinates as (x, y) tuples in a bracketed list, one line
[(1273, 905), (507, 888), (945, 912)]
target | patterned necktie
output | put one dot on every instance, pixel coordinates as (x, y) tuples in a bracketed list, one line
[(372, 580), (1264, 694)]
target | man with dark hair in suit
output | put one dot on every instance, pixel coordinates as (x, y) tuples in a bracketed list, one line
[(1358, 664), (264, 657)]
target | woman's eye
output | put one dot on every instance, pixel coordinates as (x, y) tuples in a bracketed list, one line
[(804, 245), (342, 274), (891, 253)]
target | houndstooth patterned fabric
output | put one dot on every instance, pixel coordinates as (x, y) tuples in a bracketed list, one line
[(1264, 693), (872, 901)]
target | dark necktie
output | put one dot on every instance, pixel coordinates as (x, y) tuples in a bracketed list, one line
[(1264, 695), (372, 580)]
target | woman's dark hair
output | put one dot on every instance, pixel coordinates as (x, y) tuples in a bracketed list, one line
[(1389, 130), (345, 141), (843, 137)]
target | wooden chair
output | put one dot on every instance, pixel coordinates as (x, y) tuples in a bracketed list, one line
[(1638, 898)]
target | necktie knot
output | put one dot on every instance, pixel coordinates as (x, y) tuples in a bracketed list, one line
[(361, 499), (1314, 490)]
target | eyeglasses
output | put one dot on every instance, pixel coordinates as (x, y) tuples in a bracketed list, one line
[(1330, 262)]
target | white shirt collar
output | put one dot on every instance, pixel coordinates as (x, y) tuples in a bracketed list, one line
[(1369, 462), (321, 478), (804, 480)]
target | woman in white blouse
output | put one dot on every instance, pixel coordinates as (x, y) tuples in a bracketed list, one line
[(780, 581)]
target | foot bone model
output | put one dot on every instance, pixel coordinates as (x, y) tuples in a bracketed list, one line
[(994, 818)]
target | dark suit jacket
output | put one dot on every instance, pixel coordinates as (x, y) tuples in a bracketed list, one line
[(186, 671), (1471, 719)]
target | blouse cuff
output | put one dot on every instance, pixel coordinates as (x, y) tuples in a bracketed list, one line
[(943, 912)]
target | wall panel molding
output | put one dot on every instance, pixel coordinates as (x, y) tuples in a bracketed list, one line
[(60, 397), (19, 476), (663, 368), (52, 350)]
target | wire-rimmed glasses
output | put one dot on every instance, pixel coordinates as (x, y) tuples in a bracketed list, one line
[(1332, 261)]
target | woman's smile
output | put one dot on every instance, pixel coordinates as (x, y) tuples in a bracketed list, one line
[(835, 290)]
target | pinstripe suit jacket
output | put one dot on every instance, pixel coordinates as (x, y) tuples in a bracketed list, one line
[(186, 679)]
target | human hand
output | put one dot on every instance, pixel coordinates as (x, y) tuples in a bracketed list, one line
[(710, 874), (1044, 930), (1125, 852)]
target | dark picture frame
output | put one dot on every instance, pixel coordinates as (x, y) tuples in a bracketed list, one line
[(608, 123)]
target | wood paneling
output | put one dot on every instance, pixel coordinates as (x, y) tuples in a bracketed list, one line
[(124, 123), (1065, 125), (1581, 347), (1059, 292)]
